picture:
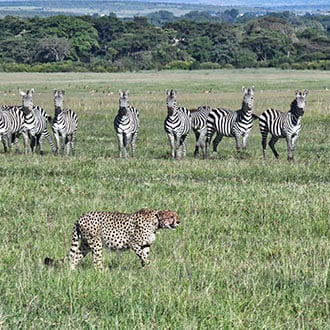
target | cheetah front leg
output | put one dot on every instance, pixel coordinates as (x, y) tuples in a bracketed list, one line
[(143, 253)]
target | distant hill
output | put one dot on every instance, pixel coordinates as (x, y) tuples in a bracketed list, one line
[(30, 8)]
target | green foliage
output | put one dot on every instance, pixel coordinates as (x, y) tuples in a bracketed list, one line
[(252, 250), (108, 43)]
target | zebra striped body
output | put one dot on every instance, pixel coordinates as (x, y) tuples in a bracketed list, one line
[(198, 125), (64, 125), (35, 122), (126, 124), (177, 125), (230, 123), (11, 126), (283, 125)]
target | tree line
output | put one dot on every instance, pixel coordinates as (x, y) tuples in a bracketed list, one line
[(197, 40)]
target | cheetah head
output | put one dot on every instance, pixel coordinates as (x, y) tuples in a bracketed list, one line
[(167, 219)]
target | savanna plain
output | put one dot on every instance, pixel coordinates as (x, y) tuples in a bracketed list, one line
[(252, 250)]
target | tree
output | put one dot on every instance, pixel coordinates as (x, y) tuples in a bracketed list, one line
[(52, 49)]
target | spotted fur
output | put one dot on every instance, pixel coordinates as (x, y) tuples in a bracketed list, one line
[(116, 231)]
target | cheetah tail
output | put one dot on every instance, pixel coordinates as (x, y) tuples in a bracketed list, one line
[(53, 262)]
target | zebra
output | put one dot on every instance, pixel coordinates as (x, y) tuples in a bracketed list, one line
[(177, 125), (126, 124), (64, 125), (230, 123), (283, 125), (11, 126), (198, 125), (35, 122)]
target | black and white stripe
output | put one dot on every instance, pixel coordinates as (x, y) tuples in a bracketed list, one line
[(35, 122), (283, 125), (177, 125), (64, 125), (230, 123), (126, 124), (11, 126), (198, 125)]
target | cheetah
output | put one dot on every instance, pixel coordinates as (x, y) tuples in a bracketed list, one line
[(116, 231)]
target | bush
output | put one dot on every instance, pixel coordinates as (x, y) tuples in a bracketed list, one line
[(183, 65)]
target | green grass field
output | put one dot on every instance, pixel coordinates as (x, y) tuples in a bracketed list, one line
[(252, 250)]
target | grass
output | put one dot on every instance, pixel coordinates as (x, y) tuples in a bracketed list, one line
[(252, 250)]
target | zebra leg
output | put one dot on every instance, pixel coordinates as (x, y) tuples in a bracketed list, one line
[(15, 141), (64, 144), (272, 142), (207, 144), (290, 140), (57, 142), (201, 142), (127, 138), (178, 147), (32, 142), (73, 140), (184, 144), (172, 144), (120, 144), (197, 135), (68, 144), (264, 143), (216, 142), (133, 144), (46, 134), (4, 142), (238, 142), (245, 139)]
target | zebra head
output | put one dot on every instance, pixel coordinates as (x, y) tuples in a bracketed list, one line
[(58, 100), (171, 101), (299, 103), (123, 102), (248, 98), (27, 101)]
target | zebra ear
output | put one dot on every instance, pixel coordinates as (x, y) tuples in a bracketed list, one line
[(31, 91), (21, 92), (120, 93), (306, 91), (244, 90), (63, 91)]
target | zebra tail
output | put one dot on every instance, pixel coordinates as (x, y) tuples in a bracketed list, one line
[(254, 117)]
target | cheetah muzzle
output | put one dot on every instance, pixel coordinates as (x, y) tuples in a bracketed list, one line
[(116, 231)]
